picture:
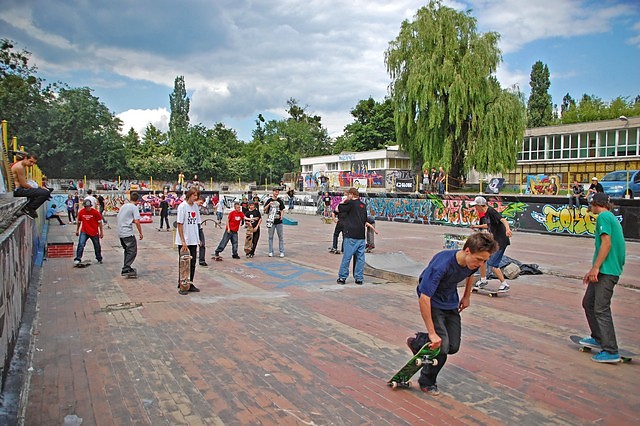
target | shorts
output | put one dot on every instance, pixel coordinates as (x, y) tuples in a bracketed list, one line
[(494, 260)]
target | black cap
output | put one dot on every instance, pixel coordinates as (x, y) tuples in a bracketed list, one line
[(600, 198)]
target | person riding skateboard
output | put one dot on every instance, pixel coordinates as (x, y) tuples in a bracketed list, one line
[(608, 262), (440, 305)]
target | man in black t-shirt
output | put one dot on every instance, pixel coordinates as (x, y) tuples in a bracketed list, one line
[(501, 231), (354, 241), (594, 188), (275, 206), (326, 199), (253, 217)]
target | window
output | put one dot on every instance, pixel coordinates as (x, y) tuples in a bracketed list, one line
[(332, 166), (555, 148), (607, 143), (307, 168), (571, 144), (376, 164)]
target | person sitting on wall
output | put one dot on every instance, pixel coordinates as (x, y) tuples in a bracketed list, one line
[(577, 192), (36, 196), (594, 188)]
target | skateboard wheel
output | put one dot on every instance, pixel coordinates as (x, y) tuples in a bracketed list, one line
[(419, 362), (408, 384), (435, 362), (393, 385)]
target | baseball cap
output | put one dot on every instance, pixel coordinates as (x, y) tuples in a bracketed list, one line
[(87, 203), (600, 198), (479, 201), (594, 178)]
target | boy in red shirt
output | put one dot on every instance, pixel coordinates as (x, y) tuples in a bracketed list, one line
[(89, 227), (234, 220)]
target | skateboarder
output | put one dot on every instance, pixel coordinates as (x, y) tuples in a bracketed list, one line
[(128, 215), (608, 262), (234, 219), (187, 237), (89, 228), (253, 217), (440, 305)]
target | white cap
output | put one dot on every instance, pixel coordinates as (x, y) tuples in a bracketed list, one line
[(594, 178), (479, 201)]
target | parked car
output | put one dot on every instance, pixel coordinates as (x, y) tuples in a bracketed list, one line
[(615, 183)]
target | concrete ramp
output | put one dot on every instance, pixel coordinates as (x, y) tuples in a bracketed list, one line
[(396, 267)]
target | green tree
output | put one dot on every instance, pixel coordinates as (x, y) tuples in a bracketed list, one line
[(179, 118), (449, 109), (540, 106), (568, 103), (373, 127)]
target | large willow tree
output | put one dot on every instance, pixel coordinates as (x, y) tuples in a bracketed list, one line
[(449, 108)]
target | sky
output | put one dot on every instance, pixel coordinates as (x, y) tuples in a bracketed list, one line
[(241, 58)]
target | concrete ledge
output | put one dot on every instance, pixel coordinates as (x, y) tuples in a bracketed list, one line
[(397, 267)]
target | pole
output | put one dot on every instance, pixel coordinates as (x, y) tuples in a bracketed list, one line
[(211, 183), (150, 183), (4, 136), (626, 193), (480, 183)]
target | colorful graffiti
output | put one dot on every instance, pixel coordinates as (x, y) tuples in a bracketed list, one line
[(543, 185), (560, 219)]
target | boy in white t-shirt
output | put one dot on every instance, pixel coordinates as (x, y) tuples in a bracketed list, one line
[(187, 237)]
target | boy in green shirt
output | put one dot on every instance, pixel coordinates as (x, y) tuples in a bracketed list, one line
[(608, 262)]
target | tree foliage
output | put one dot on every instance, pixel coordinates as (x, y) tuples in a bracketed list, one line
[(539, 107), (449, 108), (593, 108), (373, 127)]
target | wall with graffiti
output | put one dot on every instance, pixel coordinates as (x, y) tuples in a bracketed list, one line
[(536, 214)]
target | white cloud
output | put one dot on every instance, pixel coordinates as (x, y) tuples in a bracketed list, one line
[(139, 119)]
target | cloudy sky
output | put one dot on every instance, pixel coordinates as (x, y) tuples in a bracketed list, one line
[(245, 57)]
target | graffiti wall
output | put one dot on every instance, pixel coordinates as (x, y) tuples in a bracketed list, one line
[(550, 215)]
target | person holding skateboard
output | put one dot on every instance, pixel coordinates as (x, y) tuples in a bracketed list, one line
[(128, 215), (188, 237), (601, 279), (440, 305), (254, 218), (234, 219), (274, 209), (501, 231)]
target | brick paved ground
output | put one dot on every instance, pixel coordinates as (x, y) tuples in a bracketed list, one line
[(276, 341)]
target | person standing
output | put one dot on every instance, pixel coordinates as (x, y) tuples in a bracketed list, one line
[(440, 304), (35, 196), (290, 193), (300, 183), (188, 238), (253, 217), (442, 177), (128, 215), (101, 209), (90, 197), (164, 212), (202, 249), (326, 200), (234, 219), (354, 212), (434, 180), (219, 209), (71, 208), (275, 206), (607, 265), (89, 228), (501, 231)]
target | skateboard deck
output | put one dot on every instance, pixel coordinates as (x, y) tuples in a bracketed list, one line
[(327, 219), (131, 275), (425, 356), (81, 264), (491, 292), (248, 239), (625, 356), (184, 271), (217, 258), (272, 214)]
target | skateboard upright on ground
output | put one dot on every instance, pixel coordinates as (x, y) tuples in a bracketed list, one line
[(625, 356), (425, 356), (248, 239), (184, 272)]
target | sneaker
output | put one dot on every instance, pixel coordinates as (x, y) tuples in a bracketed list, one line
[(99, 262), (590, 341), (481, 284), (270, 254), (605, 356), (359, 282), (216, 254), (182, 292), (203, 263), (504, 287), (76, 262), (432, 390), (332, 250), (281, 254), (410, 341), (194, 289), (235, 256), (127, 271), (341, 281)]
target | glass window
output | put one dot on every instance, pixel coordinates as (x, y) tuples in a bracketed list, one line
[(632, 142), (332, 166)]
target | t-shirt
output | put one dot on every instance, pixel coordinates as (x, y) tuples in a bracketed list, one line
[(326, 200), (596, 187), (607, 223), (69, 202), (277, 204), (127, 214), (189, 217), (252, 216), (235, 218), (90, 221), (496, 227), (354, 218), (440, 279), (50, 212), (164, 207)]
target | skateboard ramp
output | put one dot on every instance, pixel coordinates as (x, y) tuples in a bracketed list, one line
[(396, 267)]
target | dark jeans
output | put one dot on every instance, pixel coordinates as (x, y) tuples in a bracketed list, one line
[(449, 328), (336, 233), (55, 216), (575, 200), (164, 218), (130, 246), (254, 244), (233, 236), (82, 241), (192, 264), (72, 215), (202, 249), (36, 196), (597, 307)]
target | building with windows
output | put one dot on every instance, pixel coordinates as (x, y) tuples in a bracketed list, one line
[(384, 169), (579, 151)]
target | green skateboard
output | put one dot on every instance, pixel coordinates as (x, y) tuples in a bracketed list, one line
[(625, 356), (425, 356)]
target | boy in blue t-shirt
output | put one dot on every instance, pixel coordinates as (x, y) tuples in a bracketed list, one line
[(440, 304)]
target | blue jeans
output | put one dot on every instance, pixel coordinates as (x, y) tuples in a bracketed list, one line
[(495, 258), (276, 228), (82, 241), (352, 247), (233, 236)]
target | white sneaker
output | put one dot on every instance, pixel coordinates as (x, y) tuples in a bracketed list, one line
[(281, 254), (76, 262), (481, 284), (504, 287), (270, 254)]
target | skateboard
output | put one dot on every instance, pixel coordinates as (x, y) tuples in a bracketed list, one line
[(81, 264), (625, 356), (248, 239), (184, 271), (327, 220), (425, 356), (491, 292), (131, 275), (217, 258), (272, 215)]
